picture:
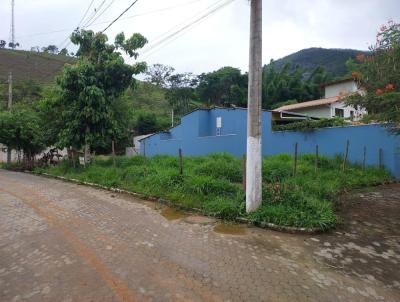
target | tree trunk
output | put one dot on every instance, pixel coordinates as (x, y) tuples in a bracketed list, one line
[(8, 155)]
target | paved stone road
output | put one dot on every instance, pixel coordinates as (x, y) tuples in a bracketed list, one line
[(64, 242)]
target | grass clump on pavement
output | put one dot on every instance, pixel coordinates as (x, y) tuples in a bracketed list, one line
[(213, 184)]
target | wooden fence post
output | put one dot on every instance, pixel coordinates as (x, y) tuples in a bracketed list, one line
[(364, 157), (244, 172), (295, 158), (316, 157), (113, 152), (346, 155), (380, 158), (73, 159), (180, 162)]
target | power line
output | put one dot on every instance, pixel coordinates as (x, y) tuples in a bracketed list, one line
[(129, 7), (104, 10), (178, 33), (84, 15), (96, 10), (108, 21), (188, 19), (62, 44)]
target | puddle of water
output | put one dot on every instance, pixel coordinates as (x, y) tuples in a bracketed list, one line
[(230, 229), (171, 214)]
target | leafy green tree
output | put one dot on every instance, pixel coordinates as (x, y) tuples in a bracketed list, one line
[(90, 89), (63, 52), (180, 99), (13, 45), (21, 130), (147, 123), (181, 93), (50, 49), (28, 92), (313, 84), (24, 92), (159, 74), (378, 75), (223, 87), (290, 83)]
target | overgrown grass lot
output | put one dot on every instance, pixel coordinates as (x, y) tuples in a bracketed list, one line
[(213, 184)]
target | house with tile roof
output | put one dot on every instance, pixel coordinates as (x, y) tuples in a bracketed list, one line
[(332, 105)]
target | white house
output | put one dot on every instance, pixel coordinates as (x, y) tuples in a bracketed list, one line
[(332, 105)]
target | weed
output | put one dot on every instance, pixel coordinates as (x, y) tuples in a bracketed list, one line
[(210, 183)]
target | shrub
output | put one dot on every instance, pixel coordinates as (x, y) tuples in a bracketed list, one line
[(311, 125), (207, 185), (277, 168), (224, 208), (220, 166)]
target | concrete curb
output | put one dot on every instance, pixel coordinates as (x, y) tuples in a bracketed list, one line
[(264, 225)]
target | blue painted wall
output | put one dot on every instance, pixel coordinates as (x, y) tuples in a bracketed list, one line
[(196, 135)]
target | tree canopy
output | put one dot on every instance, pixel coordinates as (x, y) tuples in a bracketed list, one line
[(89, 98), (224, 86), (378, 76), (21, 130), (290, 84)]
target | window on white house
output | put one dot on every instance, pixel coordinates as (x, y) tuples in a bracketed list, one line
[(352, 114), (339, 112)]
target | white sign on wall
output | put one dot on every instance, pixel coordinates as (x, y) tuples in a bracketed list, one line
[(219, 122)]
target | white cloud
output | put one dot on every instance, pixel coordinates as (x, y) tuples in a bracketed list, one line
[(222, 39)]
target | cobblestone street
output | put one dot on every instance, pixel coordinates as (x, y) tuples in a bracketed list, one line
[(65, 242)]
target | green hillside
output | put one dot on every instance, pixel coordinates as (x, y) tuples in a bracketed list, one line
[(333, 60), (28, 65)]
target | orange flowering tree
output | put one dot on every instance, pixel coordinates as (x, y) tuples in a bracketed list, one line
[(378, 75)]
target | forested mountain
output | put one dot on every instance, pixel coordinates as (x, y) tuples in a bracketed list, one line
[(333, 60)]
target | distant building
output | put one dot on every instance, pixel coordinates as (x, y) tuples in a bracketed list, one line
[(332, 105)]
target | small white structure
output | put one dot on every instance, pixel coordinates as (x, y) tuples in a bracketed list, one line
[(332, 105), (15, 156), (3, 154), (135, 150)]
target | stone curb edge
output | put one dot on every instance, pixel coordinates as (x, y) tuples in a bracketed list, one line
[(264, 225)]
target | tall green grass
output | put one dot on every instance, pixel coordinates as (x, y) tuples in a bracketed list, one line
[(213, 184)]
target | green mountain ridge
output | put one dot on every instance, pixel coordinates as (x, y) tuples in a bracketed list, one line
[(333, 59), (43, 67)]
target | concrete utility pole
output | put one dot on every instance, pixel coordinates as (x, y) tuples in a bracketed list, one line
[(9, 105), (254, 156)]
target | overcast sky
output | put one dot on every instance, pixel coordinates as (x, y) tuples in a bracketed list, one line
[(218, 40)]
